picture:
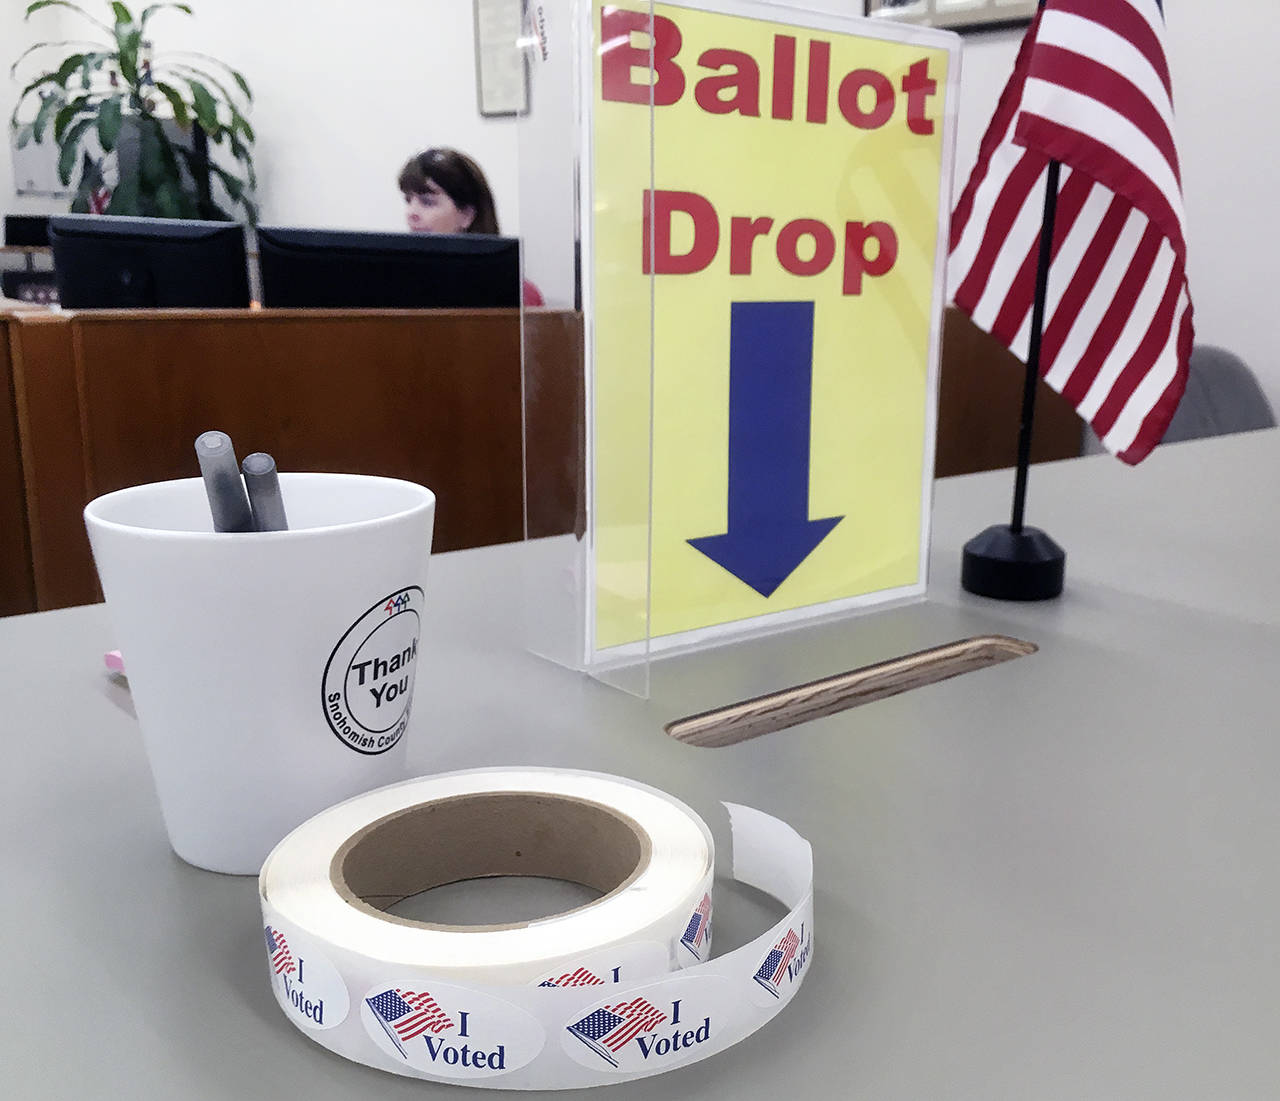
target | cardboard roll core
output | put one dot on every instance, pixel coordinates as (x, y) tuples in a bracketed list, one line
[(475, 836)]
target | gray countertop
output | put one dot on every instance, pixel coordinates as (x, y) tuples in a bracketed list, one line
[(1047, 879)]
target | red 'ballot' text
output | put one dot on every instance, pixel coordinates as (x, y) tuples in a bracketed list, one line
[(734, 82), (865, 98)]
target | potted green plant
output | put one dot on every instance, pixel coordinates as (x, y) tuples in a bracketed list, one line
[(134, 126)]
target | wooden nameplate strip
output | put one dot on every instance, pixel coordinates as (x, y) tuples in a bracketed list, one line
[(778, 710)]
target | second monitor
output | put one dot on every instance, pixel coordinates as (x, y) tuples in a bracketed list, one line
[(128, 263), (341, 269)]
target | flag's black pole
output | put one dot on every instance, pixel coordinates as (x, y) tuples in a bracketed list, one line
[(1033, 348), (1013, 562)]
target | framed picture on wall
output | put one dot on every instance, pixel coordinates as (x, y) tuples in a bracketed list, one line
[(502, 75), (955, 15)]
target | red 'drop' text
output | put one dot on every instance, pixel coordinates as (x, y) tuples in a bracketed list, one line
[(870, 248)]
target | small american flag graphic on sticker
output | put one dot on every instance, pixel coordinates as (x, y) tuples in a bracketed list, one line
[(579, 977), (698, 930), (278, 949), (406, 1015), (607, 1030), (771, 972)]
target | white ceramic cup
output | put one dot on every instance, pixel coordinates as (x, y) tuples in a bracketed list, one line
[(272, 672)]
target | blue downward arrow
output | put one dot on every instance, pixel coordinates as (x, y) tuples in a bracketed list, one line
[(770, 395)]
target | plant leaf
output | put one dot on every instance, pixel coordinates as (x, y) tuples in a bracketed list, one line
[(109, 123), (64, 116), (179, 105), (48, 105), (70, 145), (129, 40), (151, 161), (168, 201), (125, 195), (90, 180), (91, 172), (48, 45), (37, 83), (234, 185), (167, 177), (24, 137), (245, 157), (123, 14), (33, 8), (69, 65), (235, 74), (238, 121), (148, 12), (206, 109), (185, 72)]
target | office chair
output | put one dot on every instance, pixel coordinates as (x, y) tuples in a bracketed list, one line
[(1222, 396)]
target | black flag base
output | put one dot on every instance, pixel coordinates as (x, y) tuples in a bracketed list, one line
[(1009, 565)]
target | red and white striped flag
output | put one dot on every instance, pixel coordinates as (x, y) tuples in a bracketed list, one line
[(1090, 89)]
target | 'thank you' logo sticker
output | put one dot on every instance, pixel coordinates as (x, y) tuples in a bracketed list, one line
[(368, 681)]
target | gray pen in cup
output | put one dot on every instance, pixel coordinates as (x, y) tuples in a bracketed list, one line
[(264, 492), (227, 499)]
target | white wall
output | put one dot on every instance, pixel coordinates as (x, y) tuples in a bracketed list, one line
[(16, 36), (1225, 89), (346, 93), (547, 148)]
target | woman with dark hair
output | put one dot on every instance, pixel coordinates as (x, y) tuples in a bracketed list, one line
[(446, 192)]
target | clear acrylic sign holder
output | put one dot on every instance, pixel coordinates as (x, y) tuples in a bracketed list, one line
[(732, 432)]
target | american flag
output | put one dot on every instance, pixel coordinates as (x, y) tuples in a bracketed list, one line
[(776, 962), (278, 950), (1091, 90), (580, 977), (608, 1029), (406, 1015), (697, 926)]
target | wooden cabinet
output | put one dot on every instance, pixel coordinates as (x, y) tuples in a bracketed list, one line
[(109, 399)]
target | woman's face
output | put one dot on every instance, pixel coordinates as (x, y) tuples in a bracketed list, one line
[(432, 211)]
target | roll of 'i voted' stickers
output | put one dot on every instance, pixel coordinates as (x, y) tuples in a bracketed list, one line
[(624, 987)]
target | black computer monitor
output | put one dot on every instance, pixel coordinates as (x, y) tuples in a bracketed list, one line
[(108, 262), (26, 230), (341, 269)]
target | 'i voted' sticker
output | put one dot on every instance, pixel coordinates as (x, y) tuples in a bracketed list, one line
[(449, 1031), (651, 1028), (779, 973), (307, 986)]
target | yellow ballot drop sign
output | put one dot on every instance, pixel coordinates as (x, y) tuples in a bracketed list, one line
[(767, 206)]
